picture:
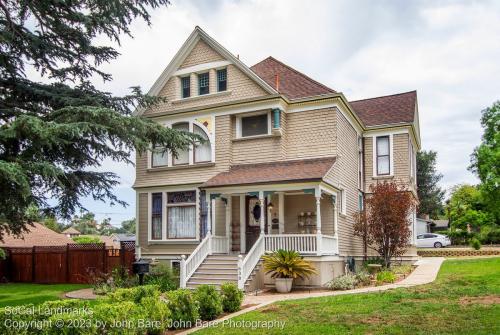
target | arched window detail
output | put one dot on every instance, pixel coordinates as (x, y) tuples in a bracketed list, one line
[(202, 151), (182, 155)]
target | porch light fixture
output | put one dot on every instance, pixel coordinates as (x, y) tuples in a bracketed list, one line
[(270, 206)]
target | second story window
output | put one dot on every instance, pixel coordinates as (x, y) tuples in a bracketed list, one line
[(255, 125), (383, 155), (203, 83), (186, 87), (182, 155), (202, 151), (221, 80)]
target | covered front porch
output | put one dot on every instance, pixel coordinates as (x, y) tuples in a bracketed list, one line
[(299, 217)]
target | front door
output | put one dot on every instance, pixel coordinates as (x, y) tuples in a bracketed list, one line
[(252, 221)]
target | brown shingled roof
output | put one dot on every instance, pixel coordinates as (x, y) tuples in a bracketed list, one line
[(39, 235), (292, 83), (70, 230), (390, 109), (275, 172)]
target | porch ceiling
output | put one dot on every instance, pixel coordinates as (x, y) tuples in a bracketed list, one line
[(274, 172)]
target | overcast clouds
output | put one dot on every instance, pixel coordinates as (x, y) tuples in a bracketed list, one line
[(448, 51)]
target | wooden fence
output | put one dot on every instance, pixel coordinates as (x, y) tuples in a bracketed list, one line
[(73, 263)]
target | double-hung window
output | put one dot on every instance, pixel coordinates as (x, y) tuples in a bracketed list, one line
[(221, 80), (383, 155), (156, 215), (159, 157), (181, 215), (203, 83), (202, 151), (186, 87)]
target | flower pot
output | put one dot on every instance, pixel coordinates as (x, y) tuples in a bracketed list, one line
[(283, 285)]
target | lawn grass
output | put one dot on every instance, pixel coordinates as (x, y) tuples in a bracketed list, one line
[(16, 294), (461, 301)]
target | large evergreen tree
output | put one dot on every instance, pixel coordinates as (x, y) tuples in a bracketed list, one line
[(54, 135), (430, 195)]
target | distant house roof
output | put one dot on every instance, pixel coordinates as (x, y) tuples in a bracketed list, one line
[(125, 237), (390, 109), (440, 223), (291, 83), (275, 172), (38, 235), (70, 231)]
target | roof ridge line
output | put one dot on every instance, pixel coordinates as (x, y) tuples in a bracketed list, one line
[(383, 96), (296, 71)]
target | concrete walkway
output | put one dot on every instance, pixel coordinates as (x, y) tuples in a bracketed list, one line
[(426, 272), (84, 293)]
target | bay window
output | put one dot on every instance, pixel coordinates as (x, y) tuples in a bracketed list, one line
[(383, 156)]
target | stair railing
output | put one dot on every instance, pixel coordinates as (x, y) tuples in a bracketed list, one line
[(189, 265), (247, 264)]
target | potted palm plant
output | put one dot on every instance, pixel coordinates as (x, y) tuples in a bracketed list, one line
[(286, 265)]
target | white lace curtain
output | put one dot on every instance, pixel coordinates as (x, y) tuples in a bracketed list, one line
[(181, 221)]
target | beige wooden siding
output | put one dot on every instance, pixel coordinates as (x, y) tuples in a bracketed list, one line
[(189, 175), (152, 249), (239, 86), (311, 134), (258, 150), (295, 204), (219, 225), (201, 53), (401, 163), (345, 172)]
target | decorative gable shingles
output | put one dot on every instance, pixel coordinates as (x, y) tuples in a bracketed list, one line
[(201, 53)]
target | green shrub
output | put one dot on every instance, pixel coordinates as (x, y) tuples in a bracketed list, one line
[(71, 324), (489, 235), (385, 277), (474, 243), (183, 307), (3, 255), (8, 317), (344, 282), (156, 310), (87, 239), (232, 297), (373, 260), (209, 301), (134, 294), (121, 278), (126, 313), (163, 276), (363, 278)]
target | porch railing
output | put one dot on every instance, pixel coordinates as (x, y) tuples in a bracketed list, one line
[(247, 264), (303, 243), (220, 244)]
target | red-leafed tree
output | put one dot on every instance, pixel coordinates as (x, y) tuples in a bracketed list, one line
[(384, 225)]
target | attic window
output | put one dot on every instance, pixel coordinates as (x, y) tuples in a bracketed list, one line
[(221, 80), (186, 87), (203, 82)]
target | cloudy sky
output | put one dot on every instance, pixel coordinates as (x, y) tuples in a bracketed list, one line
[(449, 51)]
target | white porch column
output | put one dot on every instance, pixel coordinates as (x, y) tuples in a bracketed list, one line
[(209, 214), (335, 216), (319, 238), (262, 211), (229, 205), (281, 214), (243, 232)]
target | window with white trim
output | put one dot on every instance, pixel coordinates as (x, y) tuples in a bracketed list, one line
[(181, 215), (361, 204), (383, 155), (186, 87), (341, 202), (221, 80), (203, 83), (254, 125), (159, 157), (156, 215), (360, 163), (182, 155), (202, 151)]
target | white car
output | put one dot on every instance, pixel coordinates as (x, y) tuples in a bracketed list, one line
[(430, 240)]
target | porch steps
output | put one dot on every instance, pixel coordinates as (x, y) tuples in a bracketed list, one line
[(215, 270), (218, 269)]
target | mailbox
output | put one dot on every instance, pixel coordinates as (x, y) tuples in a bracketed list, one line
[(140, 268)]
